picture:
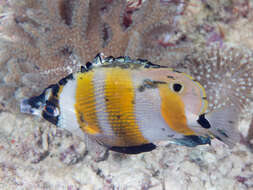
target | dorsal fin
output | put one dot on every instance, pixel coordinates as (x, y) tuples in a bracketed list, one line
[(124, 62)]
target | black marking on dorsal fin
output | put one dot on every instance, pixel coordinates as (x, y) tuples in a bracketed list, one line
[(134, 149), (124, 62), (147, 64), (98, 59), (109, 59), (120, 59), (83, 69), (64, 80), (203, 121), (204, 98), (86, 67)]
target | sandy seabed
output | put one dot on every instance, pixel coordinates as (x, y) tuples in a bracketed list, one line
[(37, 155)]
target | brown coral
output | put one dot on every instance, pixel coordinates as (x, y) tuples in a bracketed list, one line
[(43, 41)]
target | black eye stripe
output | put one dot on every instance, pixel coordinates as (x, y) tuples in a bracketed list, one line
[(177, 87)]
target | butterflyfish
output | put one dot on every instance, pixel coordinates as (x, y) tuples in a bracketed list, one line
[(130, 105)]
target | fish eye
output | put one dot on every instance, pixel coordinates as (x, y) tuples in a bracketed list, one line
[(51, 110), (177, 87)]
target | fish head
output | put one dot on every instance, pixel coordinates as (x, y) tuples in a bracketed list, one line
[(183, 99), (189, 91)]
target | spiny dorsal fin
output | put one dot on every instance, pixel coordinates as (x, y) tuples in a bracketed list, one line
[(124, 62)]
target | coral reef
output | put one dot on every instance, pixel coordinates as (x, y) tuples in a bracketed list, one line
[(44, 157), (43, 40), (226, 72)]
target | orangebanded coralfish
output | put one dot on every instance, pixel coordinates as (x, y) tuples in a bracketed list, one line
[(129, 105)]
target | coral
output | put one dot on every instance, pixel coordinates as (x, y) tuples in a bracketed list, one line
[(226, 73), (169, 167), (42, 41), (250, 134)]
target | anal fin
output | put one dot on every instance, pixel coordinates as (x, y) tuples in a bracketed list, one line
[(134, 149)]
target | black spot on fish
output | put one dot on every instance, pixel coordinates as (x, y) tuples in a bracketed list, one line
[(203, 121), (88, 65), (231, 122), (83, 69), (141, 88), (176, 71), (170, 77), (106, 99), (159, 82), (118, 116), (81, 117), (147, 83), (163, 129), (50, 118)]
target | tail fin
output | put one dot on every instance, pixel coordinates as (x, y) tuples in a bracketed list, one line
[(224, 124)]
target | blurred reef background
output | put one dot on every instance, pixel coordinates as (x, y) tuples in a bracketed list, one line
[(42, 41)]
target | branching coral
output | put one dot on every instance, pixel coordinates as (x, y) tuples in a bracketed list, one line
[(42, 41)]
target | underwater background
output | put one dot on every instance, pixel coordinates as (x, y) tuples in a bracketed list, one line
[(42, 41)]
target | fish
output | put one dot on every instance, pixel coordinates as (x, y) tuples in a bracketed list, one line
[(130, 105)]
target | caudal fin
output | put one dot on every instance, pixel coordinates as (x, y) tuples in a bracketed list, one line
[(224, 124)]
